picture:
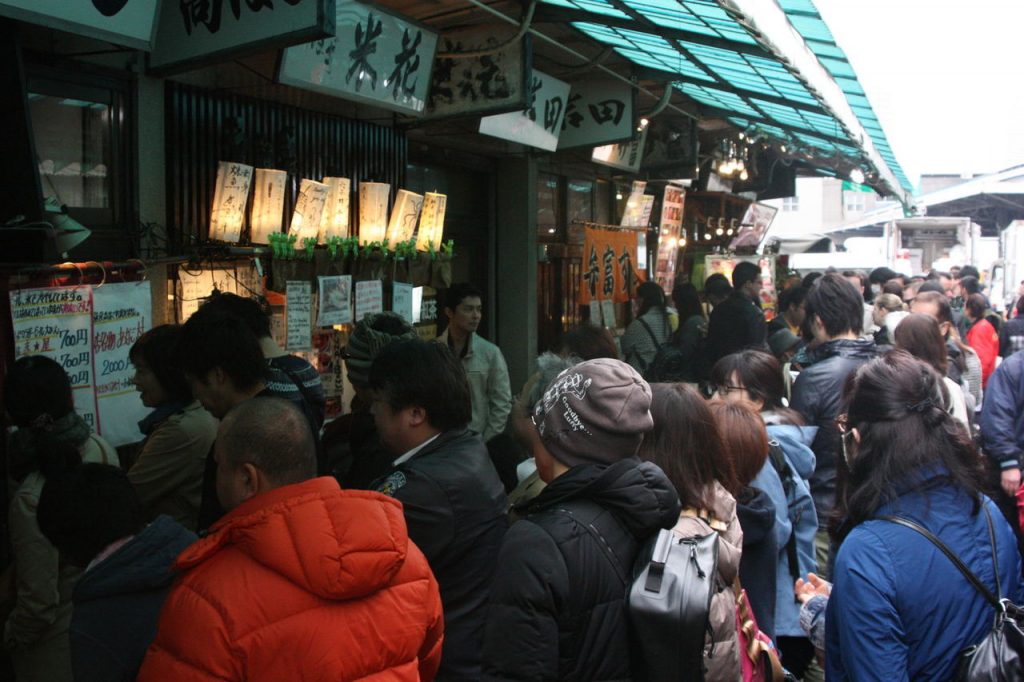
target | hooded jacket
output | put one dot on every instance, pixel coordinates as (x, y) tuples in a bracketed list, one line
[(737, 323), (794, 514), (721, 648), (758, 564), (304, 582), (817, 394), (558, 608), (899, 609), (117, 603)]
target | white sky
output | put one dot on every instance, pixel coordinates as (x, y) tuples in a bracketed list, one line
[(945, 77)]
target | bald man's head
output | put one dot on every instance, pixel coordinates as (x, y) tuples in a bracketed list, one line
[(273, 435)]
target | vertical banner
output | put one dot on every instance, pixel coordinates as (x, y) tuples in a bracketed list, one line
[(670, 227), (299, 313), (609, 266), (230, 197), (309, 209), (633, 214), (57, 323), (335, 300), (121, 313)]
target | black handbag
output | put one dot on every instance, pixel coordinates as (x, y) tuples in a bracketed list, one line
[(999, 655)]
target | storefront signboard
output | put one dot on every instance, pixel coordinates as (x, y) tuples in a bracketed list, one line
[(493, 81), (540, 124), (599, 112), (375, 57), (609, 266), (624, 156), (123, 22), (195, 33), (670, 229)]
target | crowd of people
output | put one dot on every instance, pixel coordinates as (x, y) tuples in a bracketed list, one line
[(446, 530)]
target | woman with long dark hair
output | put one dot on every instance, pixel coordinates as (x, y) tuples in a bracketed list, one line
[(755, 378), (650, 330), (50, 436), (686, 444), (919, 335), (899, 608)]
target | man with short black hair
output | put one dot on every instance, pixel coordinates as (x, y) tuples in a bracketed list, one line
[(453, 499), (300, 580), (485, 365), (791, 311), (832, 325), (738, 322)]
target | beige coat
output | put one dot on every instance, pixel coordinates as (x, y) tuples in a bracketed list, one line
[(36, 632), (721, 649), (489, 385), (168, 476)]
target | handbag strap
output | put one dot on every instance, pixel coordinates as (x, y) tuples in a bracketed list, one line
[(971, 577), (650, 332)]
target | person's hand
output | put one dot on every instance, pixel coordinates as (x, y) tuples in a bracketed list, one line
[(1010, 480), (812, 587)]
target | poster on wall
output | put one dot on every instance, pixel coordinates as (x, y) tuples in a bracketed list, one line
[(335, 300), (299, 315), (540, 124), (669, 231), (89, 332), (609, 266), (194, 288), (490, 83), (369, 298), (632, 215), (753, 227), (117, 21), (122, 312), (374, 57), (726, 264), (598, 112), (193, 33)]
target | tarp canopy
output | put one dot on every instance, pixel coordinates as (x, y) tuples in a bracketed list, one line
[(771, 69)]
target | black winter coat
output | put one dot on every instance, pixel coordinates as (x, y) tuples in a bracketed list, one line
[(736, 324), (817, 394), (557, 607), (454, 506)]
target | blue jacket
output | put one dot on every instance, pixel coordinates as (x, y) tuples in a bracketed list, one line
[(899, 609), (1002, 414), (117, 603), (799, 507)]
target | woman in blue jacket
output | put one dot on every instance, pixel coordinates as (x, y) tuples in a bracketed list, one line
[(755, 377), (900, 609)]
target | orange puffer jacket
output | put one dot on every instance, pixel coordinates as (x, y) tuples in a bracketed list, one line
[(305, 582)]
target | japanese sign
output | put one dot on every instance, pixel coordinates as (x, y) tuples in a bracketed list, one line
[(121, 22), (375, 57), (309, 209), (230, 197), (670, 228), (609, 266), (122, 313), (625, 155), (541, 123), (598, 112), (490, 83), (299, 314), (369, 298), (196, 32), (401, 301), (89, 332), (194, 287)]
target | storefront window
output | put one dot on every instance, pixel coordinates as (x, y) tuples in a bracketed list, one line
[(72, 138), (549, 206), (602, 202), (581, 201)]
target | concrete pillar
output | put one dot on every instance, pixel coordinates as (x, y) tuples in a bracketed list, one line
[(516, 265)]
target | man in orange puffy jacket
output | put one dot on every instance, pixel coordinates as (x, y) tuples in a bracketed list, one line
[(300, 580)]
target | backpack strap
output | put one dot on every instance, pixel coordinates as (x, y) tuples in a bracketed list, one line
[(951, 555), (606, 549), (650, 332)]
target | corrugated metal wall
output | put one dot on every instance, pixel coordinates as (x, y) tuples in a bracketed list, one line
[(198, 135)]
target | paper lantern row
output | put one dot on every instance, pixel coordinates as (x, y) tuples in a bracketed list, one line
[(321, 209)]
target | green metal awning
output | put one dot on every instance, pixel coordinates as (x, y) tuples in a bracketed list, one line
[(776, 70)]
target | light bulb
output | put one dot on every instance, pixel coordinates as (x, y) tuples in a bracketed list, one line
[(744, 175), (707, 236), (719, 232), (857, 175), (783, 148), (682, 241), (730, 232)]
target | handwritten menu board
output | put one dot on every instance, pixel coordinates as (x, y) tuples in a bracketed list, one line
[(369, 298), (121, 314), (89, 332), (230, 196), (299, 312), (194, 287), (402, 301), (309, 210)]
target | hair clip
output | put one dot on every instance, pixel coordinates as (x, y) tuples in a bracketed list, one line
[(921, 406)]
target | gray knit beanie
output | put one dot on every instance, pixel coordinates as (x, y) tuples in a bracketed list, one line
[(367, 340), (594, 413)]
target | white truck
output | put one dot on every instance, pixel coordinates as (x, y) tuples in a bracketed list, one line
[(916, 245)]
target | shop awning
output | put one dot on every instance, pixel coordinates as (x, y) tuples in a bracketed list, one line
[(772, 69)]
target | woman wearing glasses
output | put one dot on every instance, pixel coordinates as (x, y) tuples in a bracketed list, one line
[(899, 608)]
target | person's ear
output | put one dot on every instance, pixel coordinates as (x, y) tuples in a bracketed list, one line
[(251, 480), (217, 377), (449, 313), (416, 416)]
